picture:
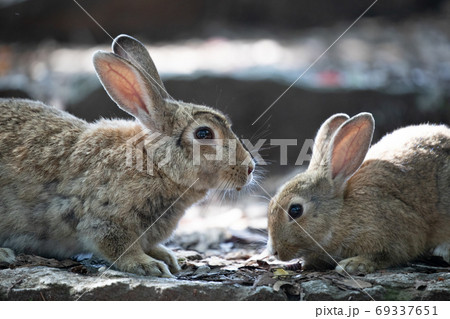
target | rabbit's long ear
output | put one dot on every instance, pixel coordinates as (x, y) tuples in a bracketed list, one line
[(130, 89), (349, 147), (135, 52), (322, 140)]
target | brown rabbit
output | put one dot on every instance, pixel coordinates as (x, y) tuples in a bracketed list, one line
[(366, 208), (66, 185)]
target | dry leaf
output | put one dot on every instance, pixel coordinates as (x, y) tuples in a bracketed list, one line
[(264, 280), (294, 267), (279, 283), (188, 255), (421, 285), (263, 264), (283, 272), (280, 272), (217, 262), (237, 255), (80, 269)]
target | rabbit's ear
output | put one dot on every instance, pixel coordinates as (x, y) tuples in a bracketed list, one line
[(135, 52), (322, 140), (349, 147), (130, 89)]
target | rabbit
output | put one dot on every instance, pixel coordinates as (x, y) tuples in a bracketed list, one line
[(66, 187), (366, 209)]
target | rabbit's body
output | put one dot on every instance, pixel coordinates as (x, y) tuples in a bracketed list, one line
[(401, 226), (68, 187), (394, 208), (50, 197)]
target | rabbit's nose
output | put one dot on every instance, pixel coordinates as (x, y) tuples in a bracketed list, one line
[(250, 169)]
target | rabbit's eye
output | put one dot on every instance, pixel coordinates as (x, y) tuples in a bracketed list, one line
[(295, 211), (204, 133)]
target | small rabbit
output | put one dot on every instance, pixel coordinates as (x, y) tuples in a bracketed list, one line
[(66, 186), (366, 208)]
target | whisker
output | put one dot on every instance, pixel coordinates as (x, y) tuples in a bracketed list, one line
[(261, 127), (261, 196)]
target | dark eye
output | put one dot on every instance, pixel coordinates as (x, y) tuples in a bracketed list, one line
[(204, 133), (295, 211)]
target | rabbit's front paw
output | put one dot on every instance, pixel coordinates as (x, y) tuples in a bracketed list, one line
[(355, 265), (147, 267), (7, 255), (443, 250), (162, 253)]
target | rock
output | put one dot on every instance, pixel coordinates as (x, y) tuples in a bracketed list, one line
[(49, 283), (403, 285), (323, 290), (392, 284), (43, 283)]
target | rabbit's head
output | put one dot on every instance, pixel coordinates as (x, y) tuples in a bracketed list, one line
[(304, 214), (186, 142)]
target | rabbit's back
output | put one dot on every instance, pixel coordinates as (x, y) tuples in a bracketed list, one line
[(420, 155), (414, 144), (410, 168), (35, 138)]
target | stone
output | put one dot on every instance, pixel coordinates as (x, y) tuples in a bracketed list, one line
[(44, 283), (50, 283), (323, 290)]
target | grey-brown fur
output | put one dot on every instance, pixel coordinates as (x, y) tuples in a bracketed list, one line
[(66, 187), (392, 208)]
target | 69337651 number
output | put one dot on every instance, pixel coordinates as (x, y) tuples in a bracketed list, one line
[(406, 310)]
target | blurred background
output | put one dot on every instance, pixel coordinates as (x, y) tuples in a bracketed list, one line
[(240, 56)]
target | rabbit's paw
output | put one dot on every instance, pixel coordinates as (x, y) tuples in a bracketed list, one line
[(356, 265), (149, 267), (162, 253), (443, 250), (7, 255)]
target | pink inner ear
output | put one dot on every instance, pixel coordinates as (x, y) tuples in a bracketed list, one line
[(124, 83), (344, 152)]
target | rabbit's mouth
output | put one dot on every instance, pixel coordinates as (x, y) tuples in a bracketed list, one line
[(286, 253), (232, 184), (235, 178), (304, 253)]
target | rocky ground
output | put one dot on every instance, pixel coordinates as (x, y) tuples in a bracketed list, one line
[(218, 278), (233, 267)]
